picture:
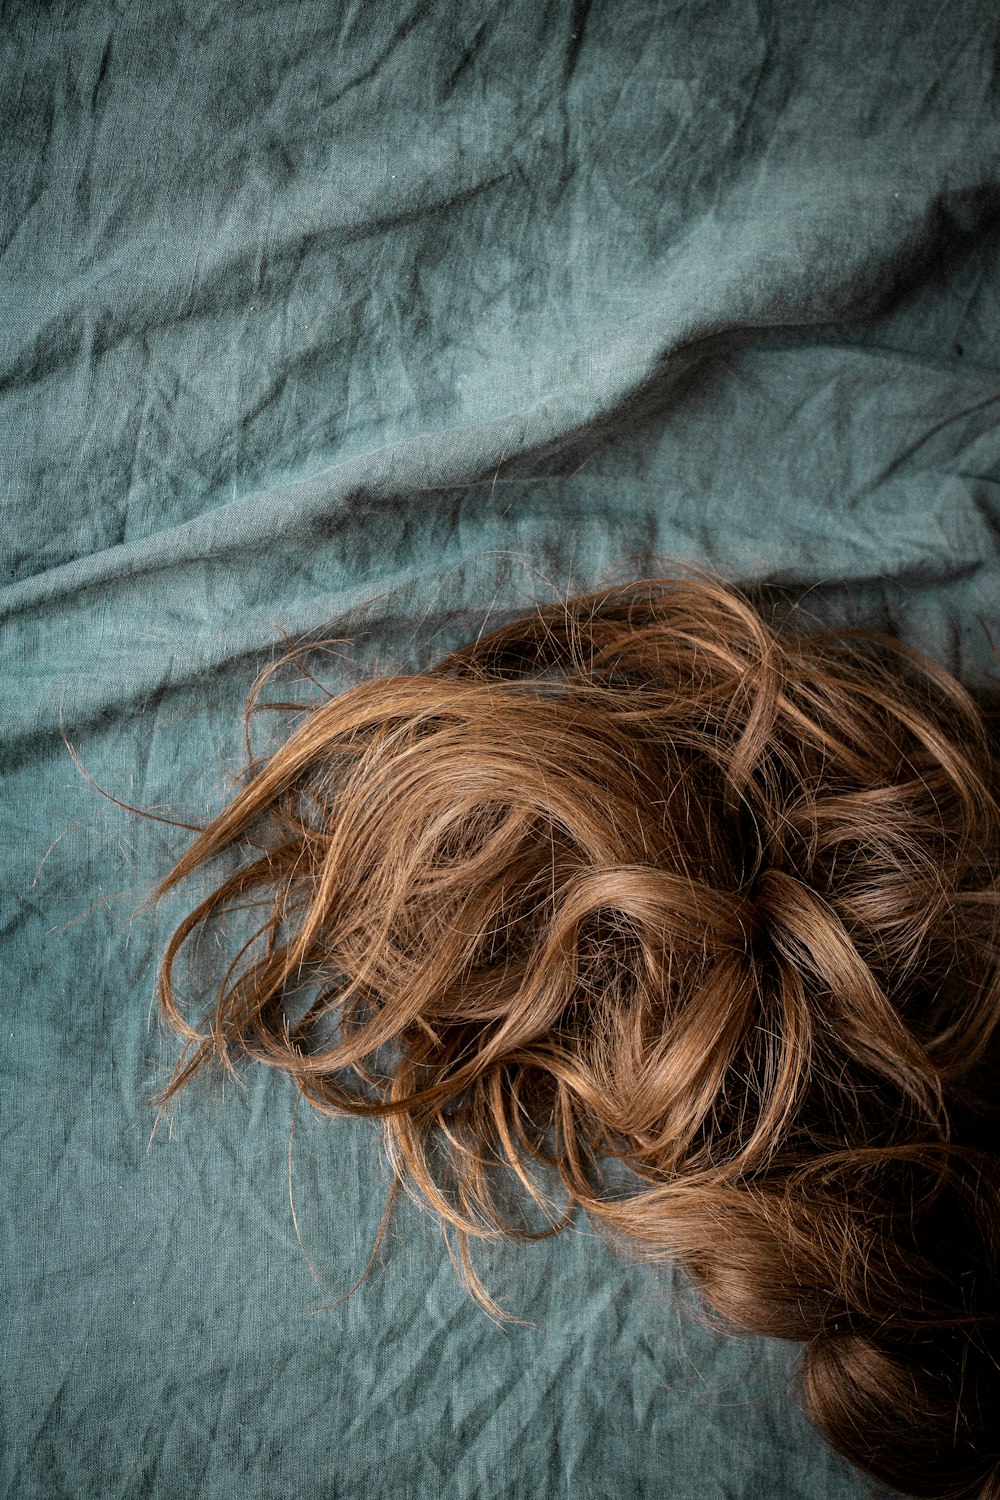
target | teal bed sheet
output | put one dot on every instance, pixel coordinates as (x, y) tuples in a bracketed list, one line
[(393, 318)]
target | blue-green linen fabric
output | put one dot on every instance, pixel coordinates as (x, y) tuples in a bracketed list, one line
[(392, 318)]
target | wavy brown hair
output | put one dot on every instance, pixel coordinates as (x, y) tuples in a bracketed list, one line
[(652, 879)]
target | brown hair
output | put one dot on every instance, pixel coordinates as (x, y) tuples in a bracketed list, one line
[(648, 879)]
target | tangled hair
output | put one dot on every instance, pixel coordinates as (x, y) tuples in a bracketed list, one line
[(650, 880)]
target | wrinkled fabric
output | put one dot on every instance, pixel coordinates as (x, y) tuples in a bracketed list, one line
[(388, 320)]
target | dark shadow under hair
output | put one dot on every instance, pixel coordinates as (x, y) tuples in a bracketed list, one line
[(644, 879)]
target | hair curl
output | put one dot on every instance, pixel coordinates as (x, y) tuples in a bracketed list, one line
[(648, 878)]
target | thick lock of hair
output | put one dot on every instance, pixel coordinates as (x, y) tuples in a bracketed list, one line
[(648, 878)]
